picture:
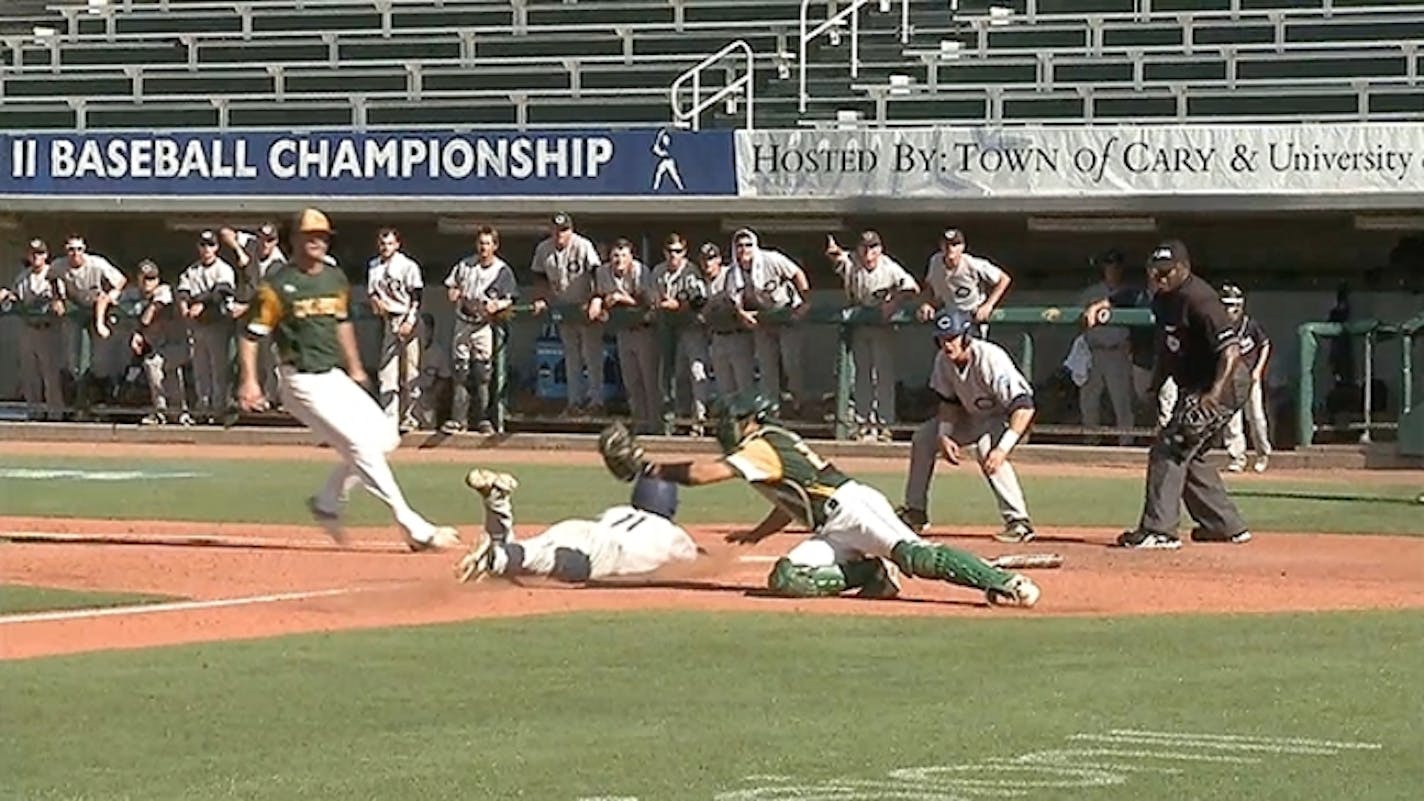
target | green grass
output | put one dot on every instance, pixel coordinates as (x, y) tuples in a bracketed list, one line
[(273, 492), (17, 598), (687, 706)]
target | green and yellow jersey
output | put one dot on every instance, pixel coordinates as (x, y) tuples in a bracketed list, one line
[(785, 469), (301, 312)]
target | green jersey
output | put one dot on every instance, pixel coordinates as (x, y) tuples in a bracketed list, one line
[(784, 468), (301, 312)]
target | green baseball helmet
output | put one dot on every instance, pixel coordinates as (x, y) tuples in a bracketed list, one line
[(731, 412)]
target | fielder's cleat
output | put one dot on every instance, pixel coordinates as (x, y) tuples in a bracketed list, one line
[(914, 519), (442, 538), (1015, 531), (1262, 462), (1020, 591), (1236, 466), (885, 585), (487, 481), (477, 563), (330, 522), (452, 427), (1145, 540), (1200, 534)]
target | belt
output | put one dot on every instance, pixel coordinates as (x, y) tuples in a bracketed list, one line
[(737, 332), (42, 324)]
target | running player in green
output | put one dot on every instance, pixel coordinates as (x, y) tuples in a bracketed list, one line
[(857, 542)]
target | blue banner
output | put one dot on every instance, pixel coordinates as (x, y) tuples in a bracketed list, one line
[(627, 163)]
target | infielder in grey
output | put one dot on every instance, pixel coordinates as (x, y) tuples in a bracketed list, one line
[(1111, 347), (563, 268), (40, 296), (93, 284), (206, 297), (873, 280), (482, 287), (731, 348), (393, 286), (162, 342), (627, 286), (986, 403), (957, 279), (681, 298), (774, 298)]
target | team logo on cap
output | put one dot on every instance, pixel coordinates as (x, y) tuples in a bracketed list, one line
[(944, 323), (1162, 254)]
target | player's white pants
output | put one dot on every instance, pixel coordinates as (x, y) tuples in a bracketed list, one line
[(1254, 412), (1111, 371), (874, 351), (979, 433), (343, 416), (397, 385), (860, 522)]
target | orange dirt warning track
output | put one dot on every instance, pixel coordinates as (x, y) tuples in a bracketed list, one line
[(247, 581)]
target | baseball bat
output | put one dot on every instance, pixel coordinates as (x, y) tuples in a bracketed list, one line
[(1027, 561)]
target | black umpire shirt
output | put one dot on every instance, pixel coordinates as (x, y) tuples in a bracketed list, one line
[(1194, 329), (1253, 341)]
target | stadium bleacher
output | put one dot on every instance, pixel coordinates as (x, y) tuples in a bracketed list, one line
[(474, 63)]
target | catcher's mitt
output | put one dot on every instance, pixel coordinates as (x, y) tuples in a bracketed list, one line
[(621, 452)]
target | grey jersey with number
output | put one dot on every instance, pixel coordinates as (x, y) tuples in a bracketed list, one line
[(393, 283), (97, 274), (637, 281), (875, 287), (967, 286), (477, 283), (569, 271), (208, 284), (769, 282), (987, 386)]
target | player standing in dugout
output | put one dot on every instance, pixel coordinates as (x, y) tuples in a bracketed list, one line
[(1199, 348)]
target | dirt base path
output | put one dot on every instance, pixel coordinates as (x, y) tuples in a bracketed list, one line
[(259, 581)]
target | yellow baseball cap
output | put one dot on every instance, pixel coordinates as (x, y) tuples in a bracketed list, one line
[(312, 221)]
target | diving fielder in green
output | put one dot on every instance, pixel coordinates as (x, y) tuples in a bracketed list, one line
[(857, 542)]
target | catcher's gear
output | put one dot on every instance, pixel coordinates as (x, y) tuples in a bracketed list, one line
[(732, 412), (621, 452)]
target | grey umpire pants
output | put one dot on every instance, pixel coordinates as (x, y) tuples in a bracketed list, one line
[(733, 361), (979, 433), (874, 350), (1173, 481), (583, 348), (778, 350), (638, 360), (41, 363)]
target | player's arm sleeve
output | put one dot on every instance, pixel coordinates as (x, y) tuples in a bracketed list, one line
[(989, 272), (536, 262), (602, 280), (755, 461), (505, 286), (940, 384), (264, 313), (185, 286), (906, 282), (113, 276), (1010, 387), (416, 277)]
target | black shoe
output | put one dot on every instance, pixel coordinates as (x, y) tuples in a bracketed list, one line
[(914, 519), (1200, 534), (1143, 539)]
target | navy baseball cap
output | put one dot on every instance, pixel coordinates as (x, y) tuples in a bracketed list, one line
[(562, 221), (951, 323), (267, 232), (208, 239), (710, 251)]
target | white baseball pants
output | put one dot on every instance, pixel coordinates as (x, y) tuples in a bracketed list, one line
[(345, 417), (979, 433), (1254, 414), (396, 385), (860, 522)]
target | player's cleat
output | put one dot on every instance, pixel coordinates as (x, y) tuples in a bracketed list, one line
[(155, 419), (1262, 462), (477, 563), (485, 427), (1200, 534), (1145, 540), (487, 481), (185, 420), (452, 427), (1015, 531), (1020, 591), (330, 522), (914, 519), (1236, 466), (441, 538), (408, 424), (885, 585)]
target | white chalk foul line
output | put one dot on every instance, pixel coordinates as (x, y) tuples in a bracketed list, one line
[(1249, 738), (176, 606)]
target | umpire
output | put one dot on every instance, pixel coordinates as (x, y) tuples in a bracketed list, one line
[(1198, 346)]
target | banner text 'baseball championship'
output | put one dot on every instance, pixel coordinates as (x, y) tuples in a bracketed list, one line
[(634, 162)]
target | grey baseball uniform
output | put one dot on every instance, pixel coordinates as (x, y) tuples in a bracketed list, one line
[(873, 346), (249, 277), (637, 339), (1110, 369), (168, 349), (82, 285), (41, 341), (731, 348), (691, 356), (394, 286), (570, 275), (212, 332), (1254, 343), (768, 286), (472, 346), (975, 404)]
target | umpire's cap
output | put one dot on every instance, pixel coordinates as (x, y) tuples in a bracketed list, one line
[(1169, 254), (953, 323), (655, 496)]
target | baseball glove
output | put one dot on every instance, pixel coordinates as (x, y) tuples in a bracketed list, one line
[(1195, 421), (621, 452)]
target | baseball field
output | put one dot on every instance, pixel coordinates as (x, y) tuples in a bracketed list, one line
[(173, 626)]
